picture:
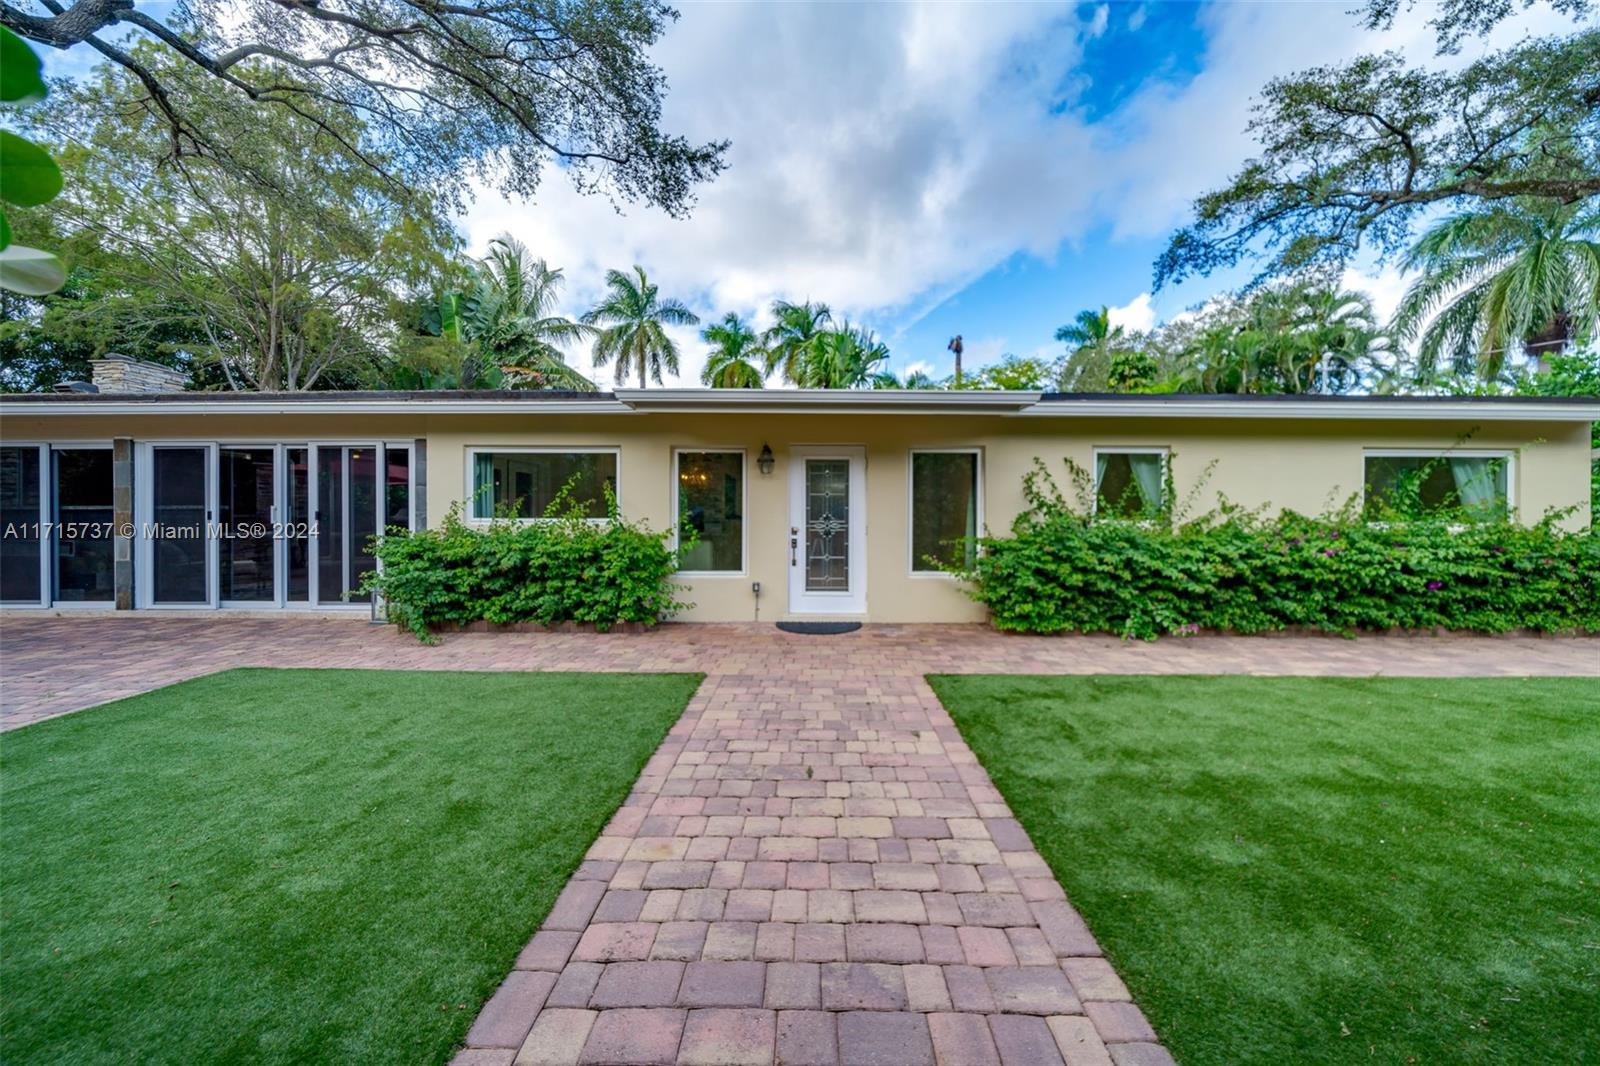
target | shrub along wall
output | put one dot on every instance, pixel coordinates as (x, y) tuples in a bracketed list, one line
[(1062, 571), (567, 569)]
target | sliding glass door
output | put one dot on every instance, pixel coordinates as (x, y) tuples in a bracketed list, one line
[(346, 517), (57, 525), (181, 528), (24, 571), (264, 524), (247, 510)]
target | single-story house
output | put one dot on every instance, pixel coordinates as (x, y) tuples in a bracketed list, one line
[(812, 504)]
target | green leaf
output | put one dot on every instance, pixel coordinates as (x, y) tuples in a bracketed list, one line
[(28, 176), (5, 232), (20, 82), (30, 271)]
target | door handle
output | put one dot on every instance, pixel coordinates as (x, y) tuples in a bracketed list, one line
[(794, 546)]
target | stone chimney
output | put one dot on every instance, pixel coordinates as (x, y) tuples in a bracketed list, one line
[(121, 373)]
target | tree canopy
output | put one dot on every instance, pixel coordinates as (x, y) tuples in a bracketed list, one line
[(424, 94), (1353, 154), (281, 262)]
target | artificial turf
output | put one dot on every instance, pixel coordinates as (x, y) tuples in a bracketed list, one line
[(1299, 870), (297, 866)]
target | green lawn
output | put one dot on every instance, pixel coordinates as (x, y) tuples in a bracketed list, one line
[(297, 866), (1319, 870)]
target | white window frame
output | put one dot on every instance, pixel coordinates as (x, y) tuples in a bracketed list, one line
[(473, 451), (1165, 451), (744, 508), (1513, 510), (911, 547)]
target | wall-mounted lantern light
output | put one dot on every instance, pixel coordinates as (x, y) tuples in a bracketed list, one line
[(764, 460)]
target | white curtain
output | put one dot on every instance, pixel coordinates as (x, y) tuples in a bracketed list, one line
[(1478, 484), (483, 501), (1147, 472)]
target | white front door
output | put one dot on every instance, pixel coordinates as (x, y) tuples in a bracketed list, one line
[(827, 530)]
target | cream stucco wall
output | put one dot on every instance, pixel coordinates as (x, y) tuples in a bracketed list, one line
[(1300, 463)]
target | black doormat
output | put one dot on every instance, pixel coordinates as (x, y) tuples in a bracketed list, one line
[(819, 629)]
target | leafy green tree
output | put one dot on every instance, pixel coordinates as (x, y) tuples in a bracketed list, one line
[(735, 355), (1455, 19), (793, 338), (631, 323), (428, 96), (28, 176), (284, 260), (1354, 155), (1132, 371), (1020, 373), (46, 340), (1515, 275)]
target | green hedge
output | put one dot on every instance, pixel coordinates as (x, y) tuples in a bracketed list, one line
[(1061, 571), (564, 569)]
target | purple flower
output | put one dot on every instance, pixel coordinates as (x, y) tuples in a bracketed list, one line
[(1330, 551), (1435, 586)]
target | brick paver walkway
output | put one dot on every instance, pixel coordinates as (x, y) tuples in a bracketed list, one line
[(51, 665), (812, 868)]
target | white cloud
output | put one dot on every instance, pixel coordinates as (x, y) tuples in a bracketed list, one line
[(1136, 20), (885, 156), (1385, 287), (1099, 20), (1135, 316), (877, 158)]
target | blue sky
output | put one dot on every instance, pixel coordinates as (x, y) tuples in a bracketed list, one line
[(927, 170)]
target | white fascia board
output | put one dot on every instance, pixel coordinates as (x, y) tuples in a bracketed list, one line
[(1336, 410), (312, 407), (826, 401)]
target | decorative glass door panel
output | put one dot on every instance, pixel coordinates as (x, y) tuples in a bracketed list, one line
[(827, 531)]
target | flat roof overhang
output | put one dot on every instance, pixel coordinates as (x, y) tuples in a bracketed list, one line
[(815, 401)]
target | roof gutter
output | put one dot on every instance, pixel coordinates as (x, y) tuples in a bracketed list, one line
[(826, 401), (1330, 410), (309, 407)]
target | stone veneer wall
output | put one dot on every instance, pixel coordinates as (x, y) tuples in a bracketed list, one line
[(118, 373)]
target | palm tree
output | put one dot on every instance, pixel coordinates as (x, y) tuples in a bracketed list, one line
[(1520, 274), (843, 358), (507, 312), (632, 316), (793, 337), (732, 364), (1095, 341), (916, 380), (1301, 337), (1337, 342)]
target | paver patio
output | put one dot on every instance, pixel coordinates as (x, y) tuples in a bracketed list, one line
[(812, 868), (53, 664)]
